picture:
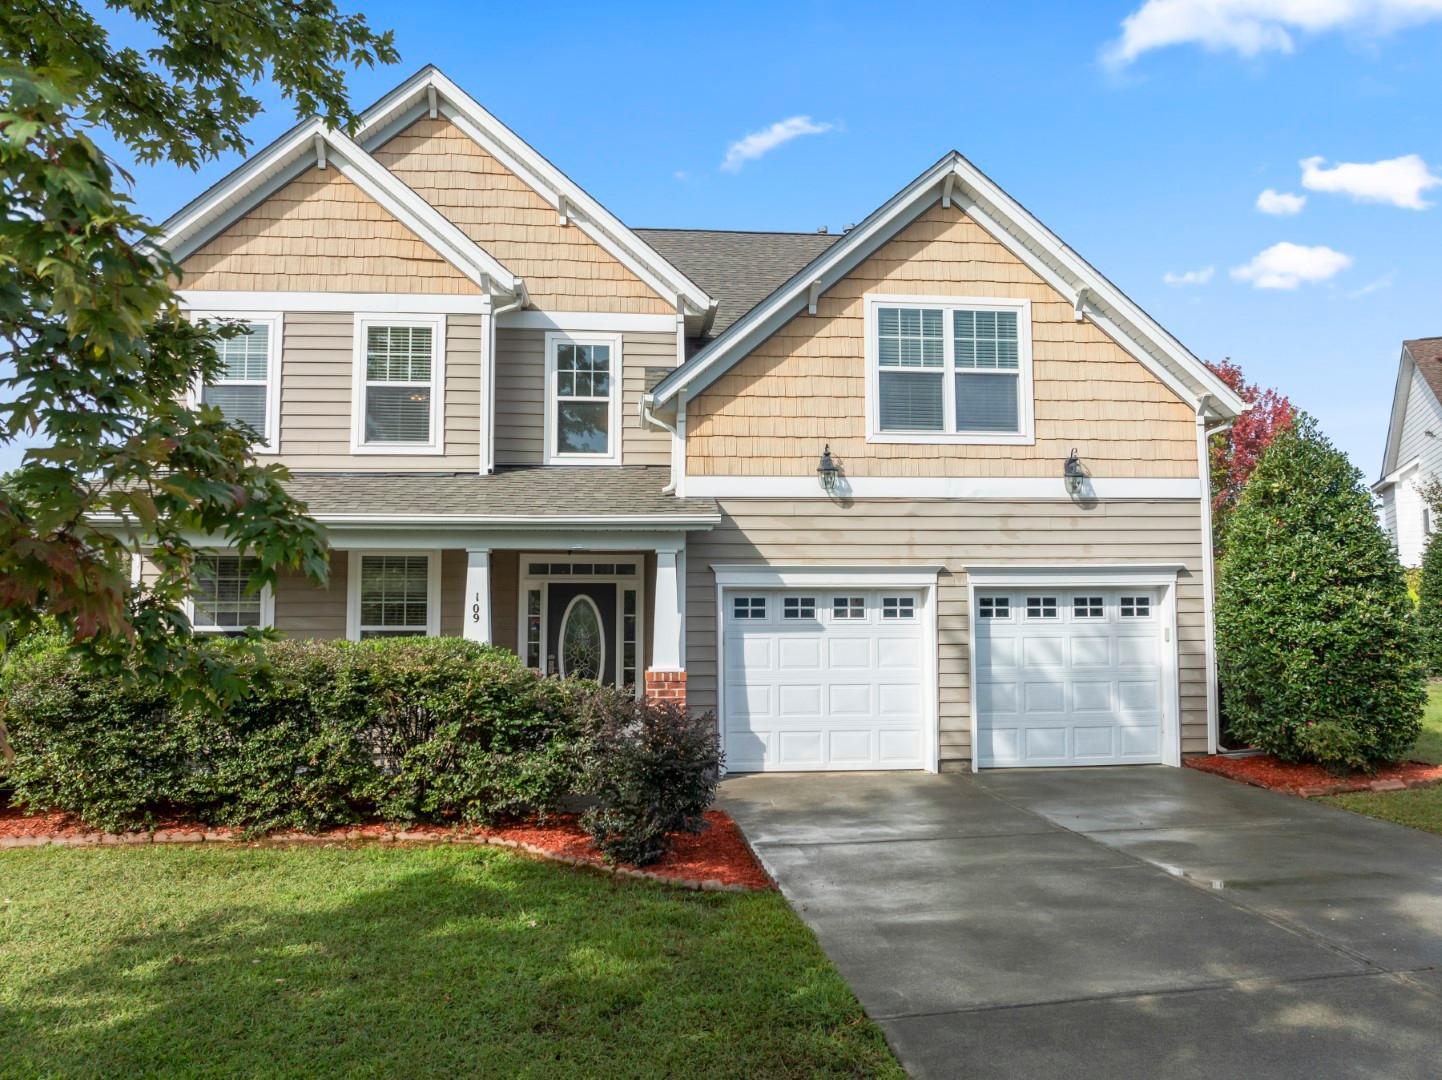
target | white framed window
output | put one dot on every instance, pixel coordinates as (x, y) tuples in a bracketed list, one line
[(994, 607), (248, 388), (393, 594), (1041, 607), (218, 601), (399, 384), (798, 607), (848, 607), (1136, 607), (898, 607), (748, 607), (948, 370), (1087, 607), (583, 399)]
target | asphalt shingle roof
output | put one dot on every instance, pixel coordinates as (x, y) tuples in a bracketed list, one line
[(738, 269), (559, 492), (1427, 353)]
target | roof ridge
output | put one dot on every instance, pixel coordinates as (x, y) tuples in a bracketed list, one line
[(751, 232)]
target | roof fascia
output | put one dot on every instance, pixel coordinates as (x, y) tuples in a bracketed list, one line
[(410, 100), (1406, 376)]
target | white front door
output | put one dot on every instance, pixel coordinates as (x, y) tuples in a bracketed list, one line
[(823, 679), (1069, 676)]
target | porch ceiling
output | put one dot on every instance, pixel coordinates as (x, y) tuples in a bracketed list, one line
[(563, 494)]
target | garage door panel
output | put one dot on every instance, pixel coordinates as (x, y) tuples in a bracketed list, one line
[(895, 653), (849, 700), (799, 653), (799, 700), (899, 747), (800, 748), (898, 700), (850, 747), (1084, 688), (848, 652), (754, 654)]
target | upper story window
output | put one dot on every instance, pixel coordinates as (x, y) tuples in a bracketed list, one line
[(399, 385), (583, 399), (948, 370), (248, 386)]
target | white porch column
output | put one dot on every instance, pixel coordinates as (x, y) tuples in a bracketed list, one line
[(666, 619), (477, 617)]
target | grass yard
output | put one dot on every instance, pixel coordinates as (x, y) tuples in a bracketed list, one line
[(1420, 808), (403, 961)]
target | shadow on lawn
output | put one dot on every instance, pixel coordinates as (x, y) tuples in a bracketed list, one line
[(465, 962)]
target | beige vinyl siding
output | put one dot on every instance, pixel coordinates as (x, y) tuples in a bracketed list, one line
[(885, 533), (453, 592), (317, 364), (505, 596), (321, 233), (520, 396), (564, 269), (803, 387), (305, 610)]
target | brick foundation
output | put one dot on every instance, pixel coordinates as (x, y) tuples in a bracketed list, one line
[(666, 686)]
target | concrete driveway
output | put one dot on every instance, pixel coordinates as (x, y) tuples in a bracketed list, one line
[(1123, 922)]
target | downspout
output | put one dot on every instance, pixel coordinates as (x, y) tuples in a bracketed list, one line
[(649, 417), (522, 299), (1209, 574)]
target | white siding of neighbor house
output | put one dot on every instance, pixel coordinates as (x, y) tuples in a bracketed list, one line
[(1401, 505)]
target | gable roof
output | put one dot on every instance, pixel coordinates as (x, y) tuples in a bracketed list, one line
[(430, 92), (738, 268), (1420, 356), (953, 179), (313, 144)]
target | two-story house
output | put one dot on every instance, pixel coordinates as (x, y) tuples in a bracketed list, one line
[(926, 493), (1412, 455)]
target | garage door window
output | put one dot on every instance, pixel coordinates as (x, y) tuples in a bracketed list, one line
[(749, 607), (994, 607), (1136, 607), (898, 607), (1041, 607), (798, 607), (848, 607), (1087, 607)]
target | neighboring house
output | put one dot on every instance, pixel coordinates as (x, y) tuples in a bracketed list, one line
[(526, 423), (1413, 454)]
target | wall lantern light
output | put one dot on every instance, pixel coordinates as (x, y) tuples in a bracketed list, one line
[(1073, 474), (828, 471)]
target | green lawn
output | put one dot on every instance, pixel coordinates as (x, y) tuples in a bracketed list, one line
[(1421, 808), (403, 961)]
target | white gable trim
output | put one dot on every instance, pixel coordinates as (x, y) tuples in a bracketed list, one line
[(313, 144), (1401, 394), (1010, 223), (411, 100)]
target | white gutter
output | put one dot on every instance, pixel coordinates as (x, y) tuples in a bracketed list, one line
[(651, 418), (1209, 574)]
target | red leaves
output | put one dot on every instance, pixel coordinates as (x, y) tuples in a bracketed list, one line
[(1235, 453)]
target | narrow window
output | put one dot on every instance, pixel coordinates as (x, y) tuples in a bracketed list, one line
[(994, 607), (1041, 607), (583, 389), (1086, 607), (400, 390), (1136, 607), (848, 607), (533, 628), (394, 595), (749, 607), (798, 607), (628, 637), (898, 607), (219, 601), (242, 390)]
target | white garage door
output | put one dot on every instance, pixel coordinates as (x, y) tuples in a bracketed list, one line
[(823, 679), (1068, 676)]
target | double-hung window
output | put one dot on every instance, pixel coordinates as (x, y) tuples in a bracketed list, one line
[(247, 388), (399, 385), (583, 399), (220, 600), (393, 594), (948, 370)]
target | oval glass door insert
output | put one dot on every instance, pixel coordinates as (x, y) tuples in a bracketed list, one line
[(582, 645)]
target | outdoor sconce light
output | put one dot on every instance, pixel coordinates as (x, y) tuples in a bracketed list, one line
[(828, 471), (1073, 474)]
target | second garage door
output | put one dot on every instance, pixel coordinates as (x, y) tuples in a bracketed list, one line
[(823, 679), (1068, 676)]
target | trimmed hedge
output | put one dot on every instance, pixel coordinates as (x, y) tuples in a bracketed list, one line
[(436, 730), (1317, 649), (1429, 605)]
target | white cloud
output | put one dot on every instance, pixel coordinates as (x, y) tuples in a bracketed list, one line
[(1383, 282), (1282, 203), (1251, 27), (1190, 277), (1285, 266), (682, 175), (1399, 181), (757, 143)]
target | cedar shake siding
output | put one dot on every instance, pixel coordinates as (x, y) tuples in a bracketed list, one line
[(805, 385), (564, 269), (952, 534), (321, 233)]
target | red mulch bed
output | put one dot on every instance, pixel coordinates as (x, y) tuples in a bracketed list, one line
[(718, 855), (1264, 770)]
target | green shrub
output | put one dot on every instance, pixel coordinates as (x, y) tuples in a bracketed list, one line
[(1429, 606), (1318, 651), (330, 733), (652, 770)]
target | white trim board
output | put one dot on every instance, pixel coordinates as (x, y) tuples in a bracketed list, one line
[(218, 302), (535, 319), (1030, 488)]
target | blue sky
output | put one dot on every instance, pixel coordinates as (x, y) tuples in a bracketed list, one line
[(1144, 144)]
